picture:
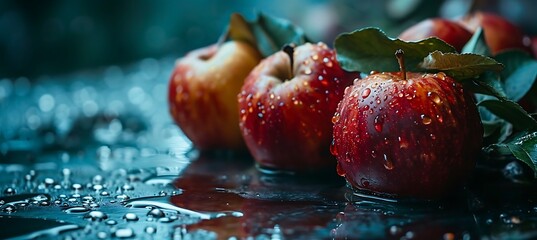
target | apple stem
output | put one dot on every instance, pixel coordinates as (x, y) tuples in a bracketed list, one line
[(400, 55), (290, 50)]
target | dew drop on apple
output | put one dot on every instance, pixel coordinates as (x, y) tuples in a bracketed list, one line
[(434, 97), (333, 148), (439, 118), (378, 124), (366, 92), (441, 75), (335, 118), (402, 143), (425, 119), (388, 164), (327, 62)]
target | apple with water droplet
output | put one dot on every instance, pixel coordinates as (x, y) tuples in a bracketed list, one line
[(286, 104), (406, 135), (203, 94), (449, 31), (500, 34)]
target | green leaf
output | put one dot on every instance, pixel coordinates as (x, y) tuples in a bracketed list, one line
[(369, 49), (273, 33), (477, 44), (239, 30), (488, 83), (525, 149), (511, 112), (520, 73), (268, 34), (460, 66)]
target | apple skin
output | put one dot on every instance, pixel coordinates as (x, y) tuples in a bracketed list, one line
[(416, 138), (449, 31), (285, 115), (500, 34), (202, 94)]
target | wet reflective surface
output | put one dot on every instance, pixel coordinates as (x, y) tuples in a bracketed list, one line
[(95, 155)]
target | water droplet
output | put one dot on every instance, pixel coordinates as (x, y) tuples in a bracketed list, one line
[(96, 216), (366, 92), (402, 143), (378, 124), (102, 235), (88, 199), (434, 97), (111, 222), (307, 71), (150, 230), (77, 209), (48, 181), (388, 164), (122, 197), (76, 186), (10, 191), (395, 230), (127, 187), (327, 62), (335, 118), (124, 233), (441, 75), (9, 208), (373, 154), (425, 119), (156, 213), (130, 217), (333, 149)]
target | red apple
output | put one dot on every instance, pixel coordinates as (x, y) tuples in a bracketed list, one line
[(448, 31), (408, 135), (500, 34), (203, 90), (286, 105)]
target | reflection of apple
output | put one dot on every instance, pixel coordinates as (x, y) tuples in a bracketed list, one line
[(409, 135), (286, 105), (448, 31), (500, 34), (203, 90)]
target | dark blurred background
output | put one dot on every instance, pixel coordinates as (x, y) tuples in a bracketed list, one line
[(61, 36)]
